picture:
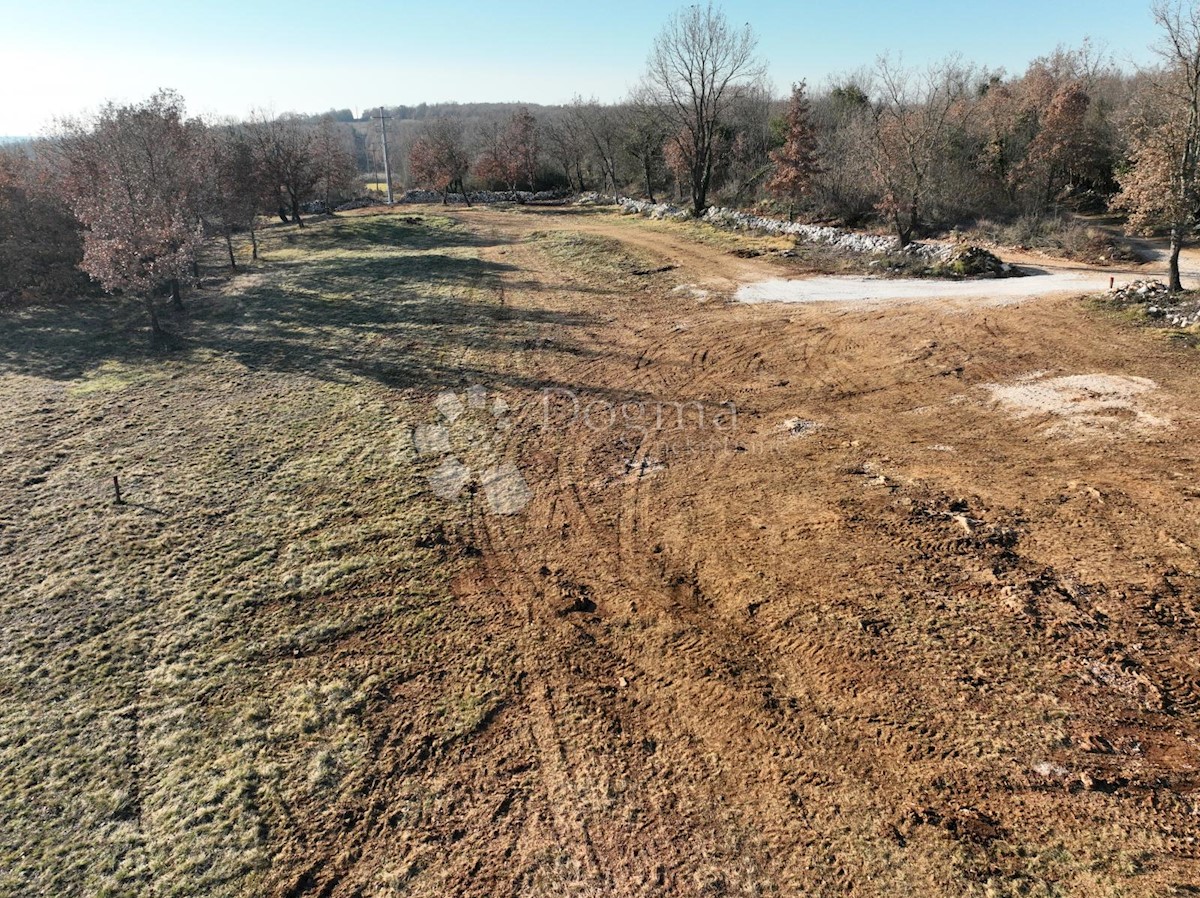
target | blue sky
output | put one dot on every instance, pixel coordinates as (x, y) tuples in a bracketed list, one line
[(60, 57)]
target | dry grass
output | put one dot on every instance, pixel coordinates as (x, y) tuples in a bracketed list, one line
[(598, 259), (174, 680)]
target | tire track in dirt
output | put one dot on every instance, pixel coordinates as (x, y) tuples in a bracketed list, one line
[(680, 597), (794, 651)]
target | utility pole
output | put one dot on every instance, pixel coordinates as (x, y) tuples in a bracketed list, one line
[(387, 166)]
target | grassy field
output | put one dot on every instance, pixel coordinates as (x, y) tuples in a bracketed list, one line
[(178, 676)]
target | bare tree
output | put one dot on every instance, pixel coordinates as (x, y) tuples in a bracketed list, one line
[(748, 137), (283, 151), (334, 162), (232, 194), (600, 128), (565, 145), (912, 123), (645, 133), (696, 67), (1162, 186)]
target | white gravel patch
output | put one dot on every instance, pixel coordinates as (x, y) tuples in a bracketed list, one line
[(1079, 401), (859, 289)]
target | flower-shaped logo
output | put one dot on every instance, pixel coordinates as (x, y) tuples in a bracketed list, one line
[(466, 428)]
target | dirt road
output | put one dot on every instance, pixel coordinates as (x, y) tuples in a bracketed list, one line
[(758, 283), (919, 620)]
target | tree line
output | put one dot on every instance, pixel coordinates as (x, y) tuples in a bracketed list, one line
[(913, 150), (126, 197)]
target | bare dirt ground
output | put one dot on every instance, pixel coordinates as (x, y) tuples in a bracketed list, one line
[(797, 599)]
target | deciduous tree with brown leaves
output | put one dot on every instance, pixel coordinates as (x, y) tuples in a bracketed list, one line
[(510, 154), (286, 160), (438, 160), (797, 162), (40, 241), (1161, 187), (131, 174)]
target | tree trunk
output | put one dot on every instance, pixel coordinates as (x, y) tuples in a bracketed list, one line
[(296, 212), (229, 246), (253, 244), (649, 178), (176, 296), (155, 327), (195, 269), (1176, 245)]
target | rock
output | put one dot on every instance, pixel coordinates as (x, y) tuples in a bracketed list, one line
[(361, 202), (1140, 291), (483, 197), (967, 260)]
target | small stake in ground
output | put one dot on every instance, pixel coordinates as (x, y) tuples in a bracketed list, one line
[(117, 490)]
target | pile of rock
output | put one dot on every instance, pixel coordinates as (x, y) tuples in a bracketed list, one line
[(936, 259), (482, 197), (967, 260), (595, 199), (835, 238), (1141, 291), (652, 210), (1163, 307), (1179, 317), (361, 202)]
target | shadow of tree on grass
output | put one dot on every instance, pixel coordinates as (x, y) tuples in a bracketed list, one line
[(355, 308)]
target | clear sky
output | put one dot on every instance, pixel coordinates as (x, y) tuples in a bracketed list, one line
[(60, 57)]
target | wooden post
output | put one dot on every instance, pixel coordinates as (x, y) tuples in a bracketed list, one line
[(117, 490)]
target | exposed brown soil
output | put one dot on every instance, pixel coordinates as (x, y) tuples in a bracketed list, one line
[(917, 643)]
